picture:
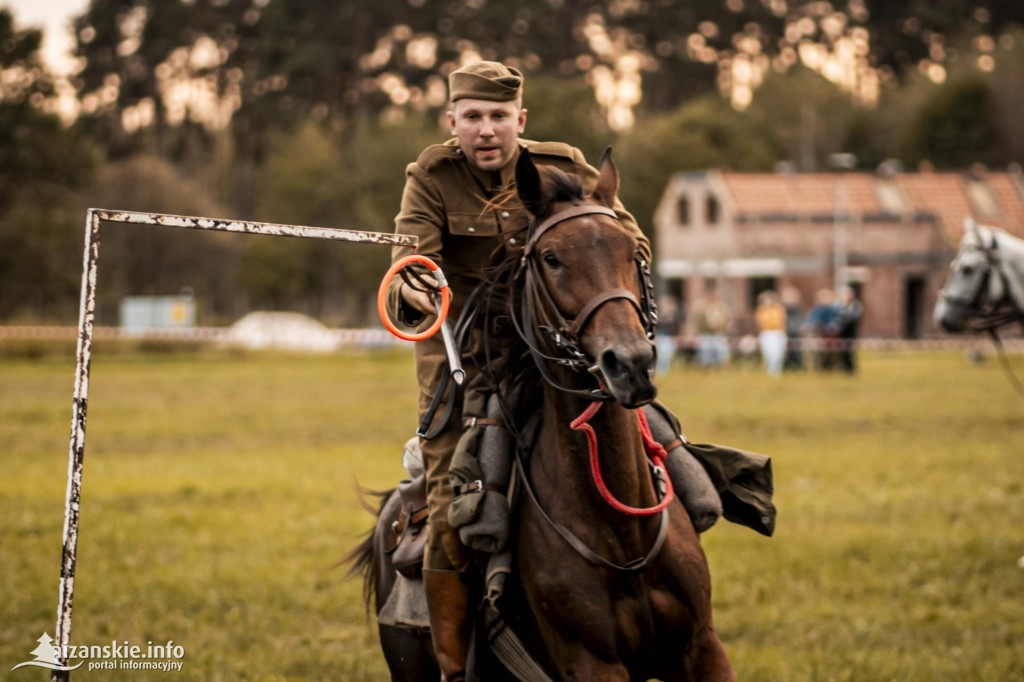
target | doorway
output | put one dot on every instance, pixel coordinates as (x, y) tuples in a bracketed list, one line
[(913, 307)]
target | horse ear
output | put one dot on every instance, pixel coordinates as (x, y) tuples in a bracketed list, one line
[(607, 181), (971, 227), (528, 184)]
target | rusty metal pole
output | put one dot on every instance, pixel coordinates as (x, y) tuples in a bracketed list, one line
[(87, 314), (79, 403)]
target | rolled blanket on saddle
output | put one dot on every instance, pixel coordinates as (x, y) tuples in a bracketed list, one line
[(479, 474), (742, 480), (690, 481)]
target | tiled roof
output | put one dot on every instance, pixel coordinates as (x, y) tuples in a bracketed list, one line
[(943, 195), (801, 193)]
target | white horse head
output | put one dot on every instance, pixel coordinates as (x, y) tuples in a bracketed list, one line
[(987, 274)]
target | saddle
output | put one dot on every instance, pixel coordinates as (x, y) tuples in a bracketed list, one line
[(408, 537)]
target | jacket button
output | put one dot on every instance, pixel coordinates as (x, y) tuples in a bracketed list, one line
[(472, 229), (504, 215)]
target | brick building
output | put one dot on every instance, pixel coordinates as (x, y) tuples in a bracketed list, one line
[(742, 233)]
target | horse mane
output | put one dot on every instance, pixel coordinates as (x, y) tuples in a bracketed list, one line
[(560, 186), (519, 369)]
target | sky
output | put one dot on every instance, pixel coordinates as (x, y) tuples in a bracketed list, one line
[(54, 17)]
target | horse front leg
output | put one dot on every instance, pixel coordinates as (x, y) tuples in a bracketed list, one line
[(577, 663), (704, 660)]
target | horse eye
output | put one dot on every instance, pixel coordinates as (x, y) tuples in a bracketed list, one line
[(551, 260), (967, 270)]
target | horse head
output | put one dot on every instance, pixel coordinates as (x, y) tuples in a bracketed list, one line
[(975, 285), (581, 266)]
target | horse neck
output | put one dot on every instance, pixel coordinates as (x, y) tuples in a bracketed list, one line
[(566, 455), (1011, 252)]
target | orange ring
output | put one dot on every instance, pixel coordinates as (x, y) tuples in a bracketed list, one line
[(382, 298)]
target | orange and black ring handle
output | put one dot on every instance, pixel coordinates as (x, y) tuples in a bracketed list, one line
[(442, 300)]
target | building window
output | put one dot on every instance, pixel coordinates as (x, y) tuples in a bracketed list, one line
[(711, 210), (683, 210)]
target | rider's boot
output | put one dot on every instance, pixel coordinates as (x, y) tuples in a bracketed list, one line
[(451, 620)]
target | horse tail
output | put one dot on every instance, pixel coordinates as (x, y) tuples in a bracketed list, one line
[(363, 561)]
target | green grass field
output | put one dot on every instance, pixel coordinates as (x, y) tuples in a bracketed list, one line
[(219, 492)]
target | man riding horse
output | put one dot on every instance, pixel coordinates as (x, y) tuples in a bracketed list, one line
[(457, 202), (460, 200)]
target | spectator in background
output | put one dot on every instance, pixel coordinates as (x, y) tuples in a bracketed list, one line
[(847, 324), (770, 317), (712, 324), (793, 303), (820, 327), (748, 350), (670, 321)]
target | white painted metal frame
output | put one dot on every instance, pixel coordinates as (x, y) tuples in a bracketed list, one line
[(87, 313)]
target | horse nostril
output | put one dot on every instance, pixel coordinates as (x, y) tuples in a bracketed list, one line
[(612, 364)]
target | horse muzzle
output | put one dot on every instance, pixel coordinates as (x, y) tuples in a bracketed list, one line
[(628, 372), (950, 316)]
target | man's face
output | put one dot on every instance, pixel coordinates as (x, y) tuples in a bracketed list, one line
[(487, 131)]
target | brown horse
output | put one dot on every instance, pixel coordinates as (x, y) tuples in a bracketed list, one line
[(596, 594)]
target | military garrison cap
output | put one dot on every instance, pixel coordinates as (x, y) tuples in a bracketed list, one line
[(492, 81)]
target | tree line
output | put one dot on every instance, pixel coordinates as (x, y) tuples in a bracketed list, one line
[(306, 112)]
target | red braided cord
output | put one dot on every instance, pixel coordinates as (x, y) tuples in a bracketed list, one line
[(654, 450)]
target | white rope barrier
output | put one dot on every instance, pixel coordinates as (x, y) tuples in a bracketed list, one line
[(381, 337)]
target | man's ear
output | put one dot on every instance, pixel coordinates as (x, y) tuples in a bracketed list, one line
[(528, 184), (607, 187), (450, 116)]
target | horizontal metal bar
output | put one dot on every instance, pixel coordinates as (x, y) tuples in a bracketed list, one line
[(198, 223)]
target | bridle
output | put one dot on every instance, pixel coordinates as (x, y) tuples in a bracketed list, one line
[(994, 314), (972, 300), (536, 307), (990, 315)]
